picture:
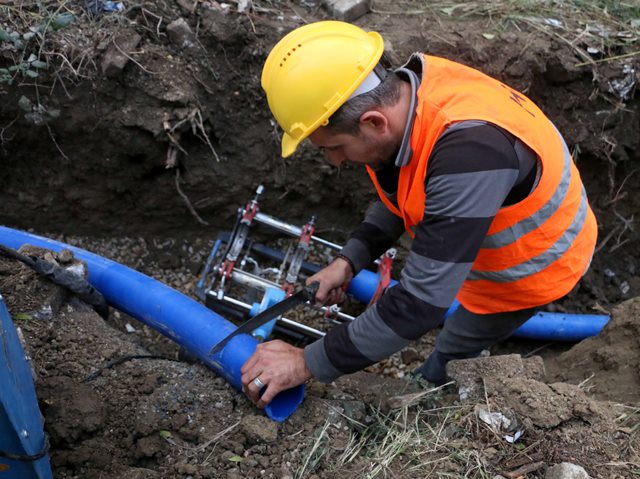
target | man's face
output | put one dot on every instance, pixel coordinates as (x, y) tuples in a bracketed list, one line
[(367, 147)]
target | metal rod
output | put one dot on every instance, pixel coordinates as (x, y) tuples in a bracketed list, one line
[(252, 281), (286, 323), (290, 229), (300, 328)]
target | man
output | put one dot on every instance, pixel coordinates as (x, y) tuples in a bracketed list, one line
[(472, 169)]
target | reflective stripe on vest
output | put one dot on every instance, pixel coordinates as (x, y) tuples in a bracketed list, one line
[(543, 260)]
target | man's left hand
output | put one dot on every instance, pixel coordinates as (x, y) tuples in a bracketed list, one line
[(278, 366)]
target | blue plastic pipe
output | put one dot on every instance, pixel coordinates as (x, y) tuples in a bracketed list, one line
[(542, 326), (546, 326), (180, 318), (363, 286)]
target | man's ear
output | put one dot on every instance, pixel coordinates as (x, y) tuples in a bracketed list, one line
[(375, 120)]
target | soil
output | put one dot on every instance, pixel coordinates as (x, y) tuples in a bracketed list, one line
[(165, 145)]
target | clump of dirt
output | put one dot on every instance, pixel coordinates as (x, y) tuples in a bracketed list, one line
[(608, 364), (562, 422)]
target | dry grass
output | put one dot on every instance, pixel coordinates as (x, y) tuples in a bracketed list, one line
[(611, 27), (413, 441)]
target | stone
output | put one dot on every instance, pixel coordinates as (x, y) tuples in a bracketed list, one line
[(65, 256), (180, 33), (355, 410), (347, 10), (566, 470), (410, 355), (117, 56), (187, 6)]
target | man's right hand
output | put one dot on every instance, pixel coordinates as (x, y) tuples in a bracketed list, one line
[(332, 280)]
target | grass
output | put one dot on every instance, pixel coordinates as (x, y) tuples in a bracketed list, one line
[(613, 27), (412, 441), (613, 11)]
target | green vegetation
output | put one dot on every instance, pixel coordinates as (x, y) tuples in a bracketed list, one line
[(23, 37)]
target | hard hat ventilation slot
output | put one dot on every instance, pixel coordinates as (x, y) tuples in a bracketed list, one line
[(284, 59)]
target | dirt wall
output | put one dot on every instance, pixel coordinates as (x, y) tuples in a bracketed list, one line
[(181, 135)]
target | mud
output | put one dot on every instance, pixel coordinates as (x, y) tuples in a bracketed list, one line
[(167, 147)]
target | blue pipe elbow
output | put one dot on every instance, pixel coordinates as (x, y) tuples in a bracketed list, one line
[(180, 318), (271, 296)]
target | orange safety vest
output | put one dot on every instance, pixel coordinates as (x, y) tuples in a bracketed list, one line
[(535, 250)]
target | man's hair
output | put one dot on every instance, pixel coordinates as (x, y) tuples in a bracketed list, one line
[(346, 119)]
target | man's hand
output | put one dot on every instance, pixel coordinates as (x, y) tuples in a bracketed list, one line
[(278, 366), (332, 279)]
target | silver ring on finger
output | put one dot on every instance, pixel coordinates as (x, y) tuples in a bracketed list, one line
[(259, 384)]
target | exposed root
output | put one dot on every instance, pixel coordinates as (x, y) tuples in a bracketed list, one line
[(194, 118), (56, 143), (192, 210), (115, 43)]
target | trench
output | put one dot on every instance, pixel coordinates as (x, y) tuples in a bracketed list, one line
[(147, 169)]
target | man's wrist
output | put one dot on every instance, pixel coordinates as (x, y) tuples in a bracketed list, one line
[(348, 261)]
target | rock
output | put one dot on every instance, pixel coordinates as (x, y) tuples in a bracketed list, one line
[(65, 256), (566, 470), (117, 56), (259, 429), (355, 410), (410, 355), (347, 10), (180, 33), (187, 6)]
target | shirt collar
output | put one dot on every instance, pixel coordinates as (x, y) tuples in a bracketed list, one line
[(405, 152)]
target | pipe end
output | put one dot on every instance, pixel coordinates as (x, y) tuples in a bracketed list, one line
[(285, 403)]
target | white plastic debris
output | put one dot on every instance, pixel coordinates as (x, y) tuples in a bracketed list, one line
[(507, 427), (129, 328), (244, 6), (623, 87), (553, 22)]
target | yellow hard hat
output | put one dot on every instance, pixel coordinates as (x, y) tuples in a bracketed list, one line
[(312, 71)]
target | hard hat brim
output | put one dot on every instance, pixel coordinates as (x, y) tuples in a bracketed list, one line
[(289, 145)]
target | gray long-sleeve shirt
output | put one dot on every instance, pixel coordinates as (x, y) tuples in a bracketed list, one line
[(475, 168)]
